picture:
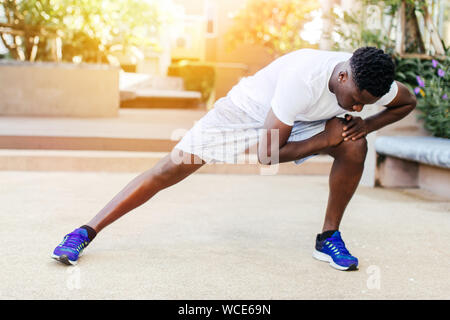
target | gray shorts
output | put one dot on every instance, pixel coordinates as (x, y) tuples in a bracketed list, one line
[(226, 131), (303, 130)]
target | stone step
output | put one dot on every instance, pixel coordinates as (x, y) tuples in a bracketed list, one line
[(139, 90), (164, 100), (134, 141), (134, 81), (86, 143), (134, 130), (134, 161)]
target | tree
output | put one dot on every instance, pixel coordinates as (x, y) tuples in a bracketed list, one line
[(274, 24), (90, 29), (403, 16), (22, 30)]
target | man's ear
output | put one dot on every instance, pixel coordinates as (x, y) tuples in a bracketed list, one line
[(343, 75)]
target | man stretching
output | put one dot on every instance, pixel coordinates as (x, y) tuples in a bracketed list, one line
[(287, 111)]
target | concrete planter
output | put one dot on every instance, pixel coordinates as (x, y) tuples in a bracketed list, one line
[(58, 89), (414, 162), (399, 173)]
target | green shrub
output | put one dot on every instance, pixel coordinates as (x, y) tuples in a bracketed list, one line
[(432, 90), (406, 71), (197, 76), (5, 56)]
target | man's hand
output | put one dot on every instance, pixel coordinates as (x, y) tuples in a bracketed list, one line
[(333, 131), (355, 128)]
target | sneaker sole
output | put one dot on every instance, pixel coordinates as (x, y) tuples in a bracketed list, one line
[(64, 259), (326, 258)]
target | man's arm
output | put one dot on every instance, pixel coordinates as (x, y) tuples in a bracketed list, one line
[(403, 103), (274, 135), (273, 146)]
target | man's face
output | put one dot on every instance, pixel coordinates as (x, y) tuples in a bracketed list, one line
[(349, 97)]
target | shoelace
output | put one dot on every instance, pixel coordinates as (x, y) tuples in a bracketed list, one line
[(340, 245), (73, 240)]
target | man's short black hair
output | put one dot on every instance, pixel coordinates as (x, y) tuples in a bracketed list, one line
[(372, 70)]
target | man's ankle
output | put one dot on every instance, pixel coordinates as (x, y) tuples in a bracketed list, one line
[(90, 231), (326, 234)]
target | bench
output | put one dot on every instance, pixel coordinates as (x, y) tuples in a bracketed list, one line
[(414, 162)]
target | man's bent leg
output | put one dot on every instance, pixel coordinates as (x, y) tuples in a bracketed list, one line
[(164, 174), (346, 172)]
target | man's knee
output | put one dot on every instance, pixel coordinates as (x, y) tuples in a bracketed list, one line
[(162, 173), (354, 151), (167, 172)]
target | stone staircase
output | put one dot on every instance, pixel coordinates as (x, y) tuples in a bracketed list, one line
[(133, 142), (138, 90)]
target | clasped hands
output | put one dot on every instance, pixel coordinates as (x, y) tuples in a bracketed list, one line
[(349, 128), (355, 128)]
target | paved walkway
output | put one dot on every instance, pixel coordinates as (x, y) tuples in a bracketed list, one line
[(219, 237)]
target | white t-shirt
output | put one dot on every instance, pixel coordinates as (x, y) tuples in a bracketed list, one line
[(296, 87)]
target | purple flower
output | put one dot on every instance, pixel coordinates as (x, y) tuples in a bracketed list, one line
[(441, 73), (416, 90), (445, 97), (434, 63), (420, 81)]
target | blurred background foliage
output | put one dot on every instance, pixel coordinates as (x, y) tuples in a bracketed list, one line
[(96, 30), (197, 75), (433, 91), (88, 29), (355, 32), (273, 24)]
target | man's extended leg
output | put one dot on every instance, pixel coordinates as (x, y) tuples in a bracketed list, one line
[(164, 174)]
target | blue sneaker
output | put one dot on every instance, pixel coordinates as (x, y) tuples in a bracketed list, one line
[(72, 246), (333, 250)]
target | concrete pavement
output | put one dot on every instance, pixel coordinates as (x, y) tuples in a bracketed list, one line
[(219, 237)]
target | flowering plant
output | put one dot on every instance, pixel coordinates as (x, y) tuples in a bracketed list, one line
[(433, 94)]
